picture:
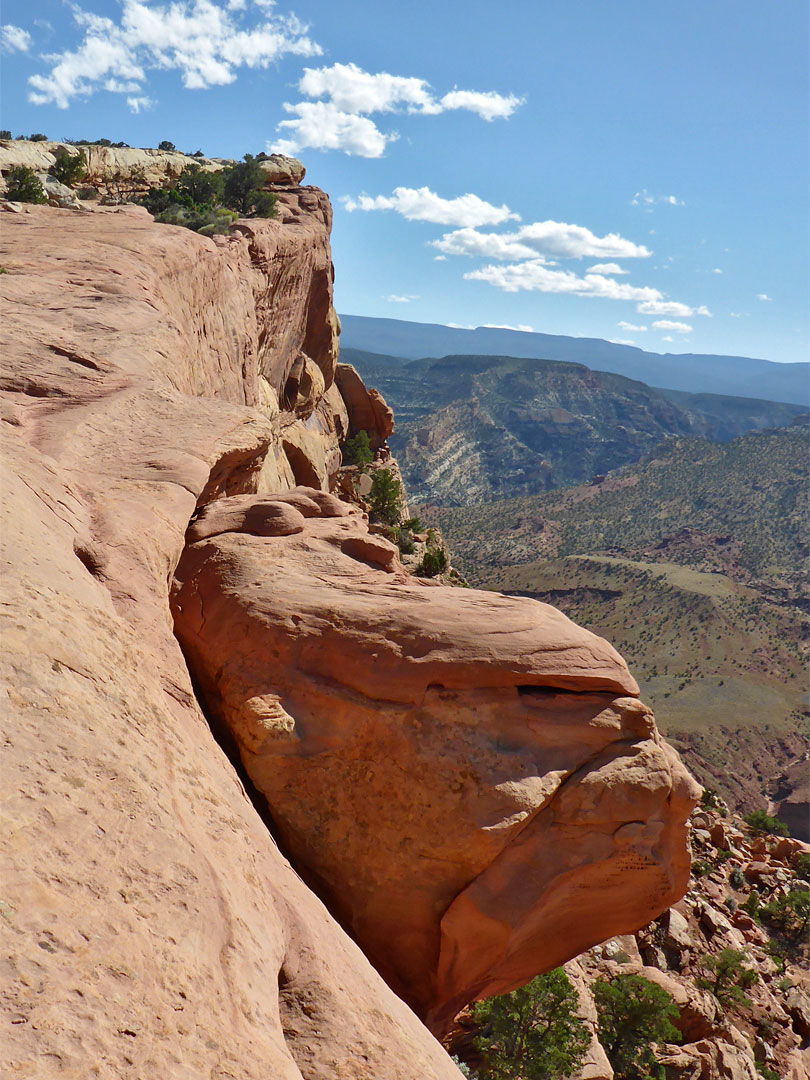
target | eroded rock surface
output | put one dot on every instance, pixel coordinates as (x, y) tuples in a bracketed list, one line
[(459, 771), (152, 928)]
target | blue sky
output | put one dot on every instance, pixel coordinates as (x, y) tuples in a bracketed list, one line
[(634, 171)]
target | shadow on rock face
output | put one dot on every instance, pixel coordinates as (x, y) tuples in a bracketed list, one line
[(470, 777)]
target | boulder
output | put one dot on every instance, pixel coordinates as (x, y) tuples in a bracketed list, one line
[(459, 880), (366, 407)]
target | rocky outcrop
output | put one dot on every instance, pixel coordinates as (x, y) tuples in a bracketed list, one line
[(457, 770), (166, 399), (153, 928), (114, 170), (728, 1039)]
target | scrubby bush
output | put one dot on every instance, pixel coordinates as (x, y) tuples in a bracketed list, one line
[(533, 1033), (736, 878), (789, 913), (357, 450), (635, 1015), (23, 185), (243, 189), (435, 560), (166, 145), (762, 822), (38, 137), (87, 193), (5, 134), (729, 979), (385, 498), (68, 168)]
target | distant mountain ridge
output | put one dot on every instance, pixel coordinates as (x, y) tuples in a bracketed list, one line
[(741, 376), (475, 428)]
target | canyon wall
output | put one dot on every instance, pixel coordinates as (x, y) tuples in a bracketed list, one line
[(171, 429)]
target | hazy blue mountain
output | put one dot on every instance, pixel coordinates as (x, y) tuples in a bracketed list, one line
[(740, 376)]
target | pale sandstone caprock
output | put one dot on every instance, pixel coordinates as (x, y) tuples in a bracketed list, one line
[(108, 167), (469, 777)]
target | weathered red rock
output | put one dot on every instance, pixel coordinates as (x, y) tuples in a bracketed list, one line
[(153, 927), (466, 775), (366, 407)]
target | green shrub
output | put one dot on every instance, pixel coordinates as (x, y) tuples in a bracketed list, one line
[(166, 145), (200, 185), (68, 168), (87, 193), (385, 498), (243, 189), (5, 134), (790, 914), (357, 450), (434, 561), (729, 979), (23, 185), (634, 1016), (762, 822), (207, 221), (533, 1033), (700, 868), (801, 866), (38, 137), (736, 878)]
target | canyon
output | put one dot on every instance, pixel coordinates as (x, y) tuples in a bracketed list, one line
[(274, 805)]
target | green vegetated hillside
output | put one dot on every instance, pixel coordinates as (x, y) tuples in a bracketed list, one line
[(692, 562), (475, 428)]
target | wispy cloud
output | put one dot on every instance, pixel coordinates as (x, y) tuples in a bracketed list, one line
[(647, 201), (538, 240), (676, 327), (422, 204), (717, 270), (344, 96), (631, 327), (671, 307), (14, 39), (522, 327), (206, 42), (621, 341), (764, 296), (395, 299)]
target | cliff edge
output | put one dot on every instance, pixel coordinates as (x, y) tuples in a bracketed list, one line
[(171, 430)]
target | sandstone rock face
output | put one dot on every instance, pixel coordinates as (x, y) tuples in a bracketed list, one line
[(457, 770), (153, 929), (110, 166), (366, 407), (170, 412)]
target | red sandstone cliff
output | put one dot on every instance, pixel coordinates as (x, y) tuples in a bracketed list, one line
[(455, 772)]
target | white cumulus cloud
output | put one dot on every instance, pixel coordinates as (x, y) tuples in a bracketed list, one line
[(607, 268), (621, 341), (764, 296), (395, 299), (14, 39), (677, 327), (204, 41), (541, 239), (631, 327), (486, 104), (535, 276), (667, 337), (319, 125), (422, 204), (136, 104), (344, 96)]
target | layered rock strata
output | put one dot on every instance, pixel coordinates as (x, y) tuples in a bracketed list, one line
[(169, 405)]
